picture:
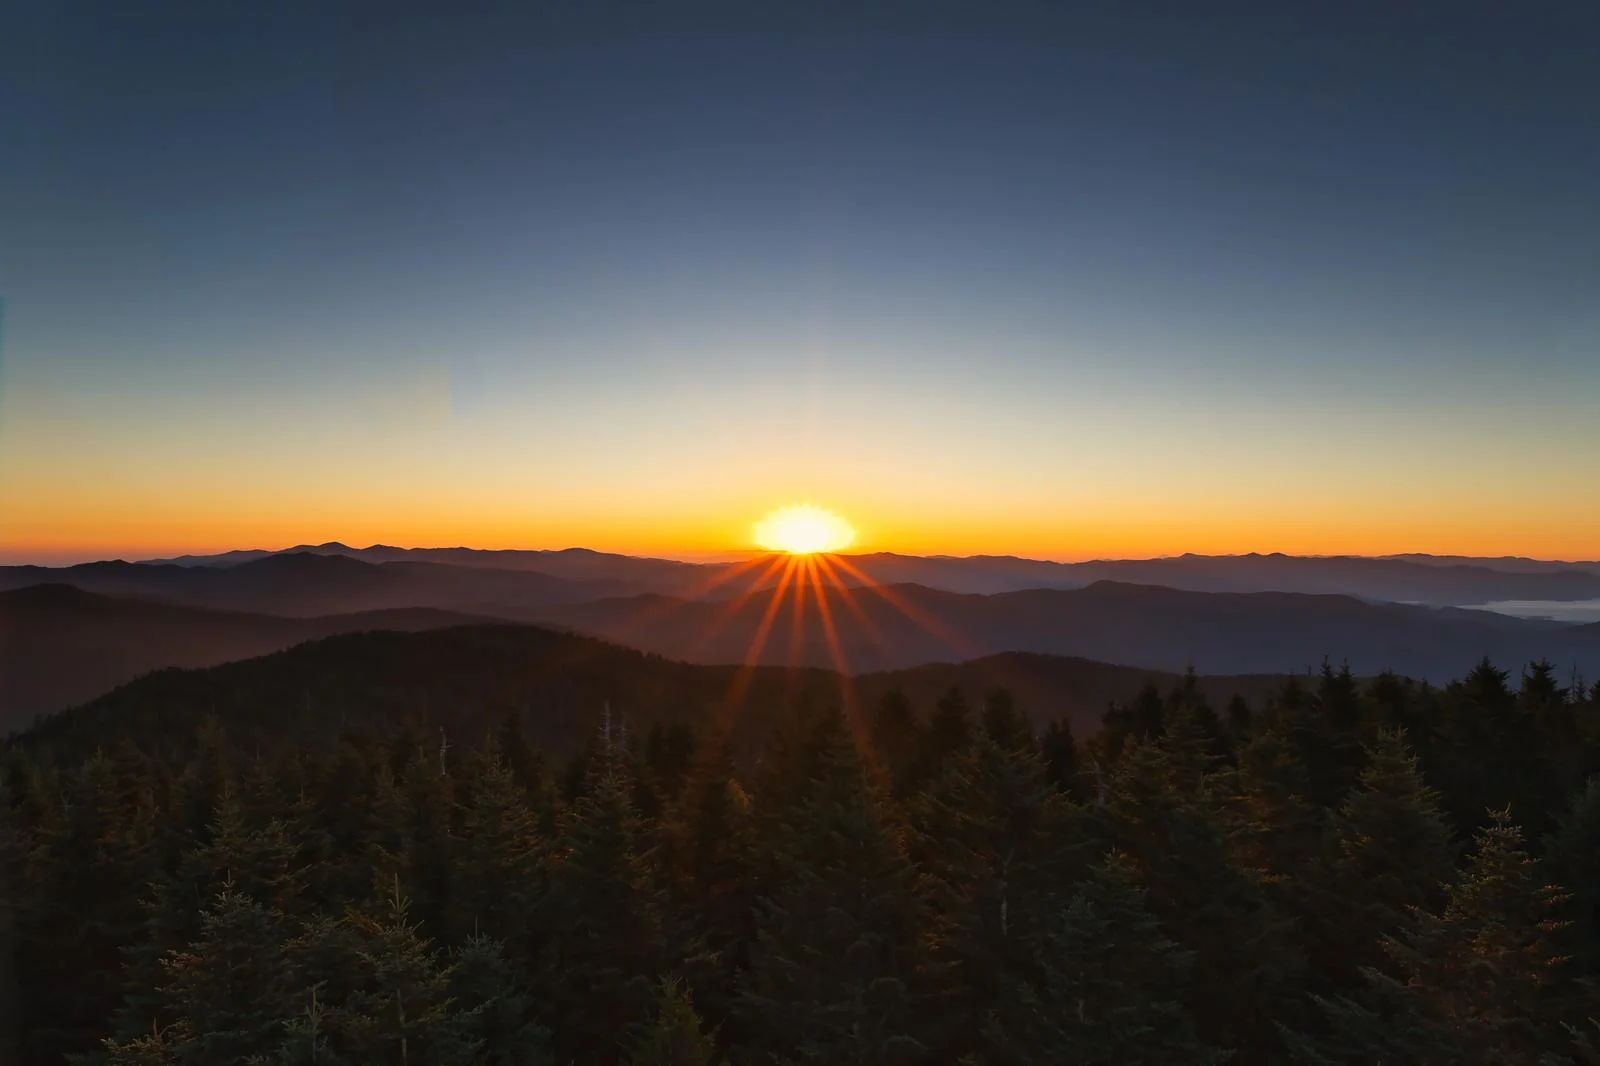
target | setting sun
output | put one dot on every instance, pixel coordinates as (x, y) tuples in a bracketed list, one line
[(803, 530)]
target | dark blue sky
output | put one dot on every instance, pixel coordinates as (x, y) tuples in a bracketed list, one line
[(1068, 269)]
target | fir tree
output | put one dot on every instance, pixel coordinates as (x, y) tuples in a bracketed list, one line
[(836, 960), (1060, 751), (11, 853), (399, 1011), (1391, 855), (896, 737), (1004, 723), (1164, 814), (1573, 856), (948, 732), (674, 1037), (492, 1016), (224, 997), (1467, 984), (79, 909), (305, 1039), (258, 864), (1283, 829), (1109, 989), (997, 844), (604, 921), (718, 874), (525, 763), (502, 863)]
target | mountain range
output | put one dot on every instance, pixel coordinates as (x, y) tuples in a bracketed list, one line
[(1148, 626), (68, 634), (1451, 581), (307, 584), (60, 645)]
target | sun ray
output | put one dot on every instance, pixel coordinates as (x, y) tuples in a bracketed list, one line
[(798, 619), (848, 597), (955, 643), (659, 609), (825, 615), (841, 666), (741, 679), (734, 603)]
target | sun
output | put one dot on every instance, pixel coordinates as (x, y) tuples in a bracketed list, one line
[(802, 529)]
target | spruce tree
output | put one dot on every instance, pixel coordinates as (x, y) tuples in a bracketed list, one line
[(997, 843), (1573, 857), (896, 737), (501, 860), (1483, 965), (492, 1017), (1004, 723), (836, 961), (1060, 752), (258, 864), (80, 909), (1391, 855), (305, 1039), (224, 997), (1283, 830), (949, 731), (398, 1013), (1468, 984), (11, 855), (1109, 987), (717, 879), (526, 764), (605, 927), (1476, 745), (674, 1037), (1166, 815)]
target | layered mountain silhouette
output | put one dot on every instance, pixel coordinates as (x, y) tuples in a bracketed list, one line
[(100, 624), (1147, 626), (573, 564), (1514, 564), (60, 645), (1452, 584), (313, 583), (1443, 581)]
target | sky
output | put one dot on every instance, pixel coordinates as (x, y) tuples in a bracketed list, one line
[(1065, 281)]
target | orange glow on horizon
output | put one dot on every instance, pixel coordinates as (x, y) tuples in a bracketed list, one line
[(75, 531)]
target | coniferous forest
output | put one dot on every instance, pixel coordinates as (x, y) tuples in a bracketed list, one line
[(1355, 871)]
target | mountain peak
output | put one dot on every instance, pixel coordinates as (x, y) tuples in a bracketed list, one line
[(304, 562)]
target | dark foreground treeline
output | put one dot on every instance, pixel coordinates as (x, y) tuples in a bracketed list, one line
[(1387, 874)]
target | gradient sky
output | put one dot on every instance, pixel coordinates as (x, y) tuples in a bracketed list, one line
[(1308, 277)]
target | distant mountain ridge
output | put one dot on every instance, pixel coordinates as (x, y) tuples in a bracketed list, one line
[(577, 564), (1152, 627), (1419, 579), (1395, 580), (1509, 563), (313, 583)]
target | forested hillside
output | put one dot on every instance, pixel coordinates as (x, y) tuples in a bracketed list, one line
[(1340, 874), (464, 679), (60, 646)]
